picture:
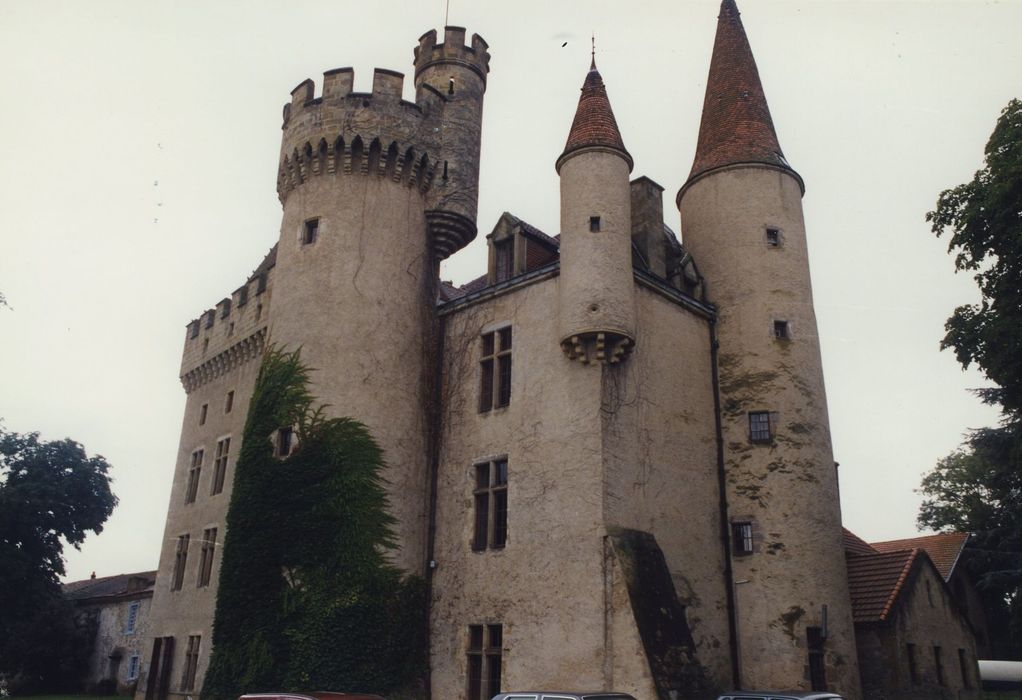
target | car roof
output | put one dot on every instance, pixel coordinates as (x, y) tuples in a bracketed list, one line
[(781, 695), (595, 695)]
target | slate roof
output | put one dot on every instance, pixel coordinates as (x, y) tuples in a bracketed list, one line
[(110, 586), (875, 580), (594, 123), (736, 126), (943, 549)]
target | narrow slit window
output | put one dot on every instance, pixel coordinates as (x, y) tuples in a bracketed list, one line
[(310, 231), (229, 402), (285, 440)]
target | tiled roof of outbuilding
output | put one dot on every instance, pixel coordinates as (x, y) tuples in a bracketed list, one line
[(594, 123), (943, 549), (875, 580), (855, 544), (736, 125), (110, 586)]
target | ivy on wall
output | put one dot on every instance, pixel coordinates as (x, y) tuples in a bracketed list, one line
[(307, 599)]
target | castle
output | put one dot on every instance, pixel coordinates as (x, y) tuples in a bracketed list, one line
[(610, 454)]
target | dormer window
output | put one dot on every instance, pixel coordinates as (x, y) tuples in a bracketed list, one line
[(503, 259)]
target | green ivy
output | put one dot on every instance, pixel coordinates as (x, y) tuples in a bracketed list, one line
[(307, 598)]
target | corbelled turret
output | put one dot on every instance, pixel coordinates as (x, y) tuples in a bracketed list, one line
[(596, 285)]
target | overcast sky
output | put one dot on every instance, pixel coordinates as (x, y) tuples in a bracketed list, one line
[(137, 188)]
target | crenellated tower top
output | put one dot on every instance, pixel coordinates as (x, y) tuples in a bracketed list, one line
[(431, 144)]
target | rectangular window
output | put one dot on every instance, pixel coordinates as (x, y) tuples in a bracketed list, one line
[(191, 663), (194, 472), (206, 558), (773, 237), (180, 561), (938, 663), (495, 386), (310, 231), (229, 402), (485, 645), (781, 330), (490, 505), (133, 667), (817, 670), (913, 666), (503, 259), (963, 663), (285, 436), (741, 538), (129, 626), (223, 449), (203, 410), (759, 426), (594, 224)]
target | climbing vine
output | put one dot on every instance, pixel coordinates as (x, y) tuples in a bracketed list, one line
[(307, 597)]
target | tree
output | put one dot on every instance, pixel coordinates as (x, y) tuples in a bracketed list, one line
[(979, 489), (50, 493), (307, 597)]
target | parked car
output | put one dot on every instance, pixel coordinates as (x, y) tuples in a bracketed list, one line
[(561, 695), (778, 695), (315, 695)]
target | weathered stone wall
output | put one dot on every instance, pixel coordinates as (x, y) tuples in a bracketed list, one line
[(926, 616), (587, 452), (660, 463), (787, 486), (112, 638), (546, 585), (228, 362)]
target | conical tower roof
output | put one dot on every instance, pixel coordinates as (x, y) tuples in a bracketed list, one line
[(594, 125), (736, 126)]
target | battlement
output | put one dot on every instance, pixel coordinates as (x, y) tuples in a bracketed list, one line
[(453, 50), (431, 144)]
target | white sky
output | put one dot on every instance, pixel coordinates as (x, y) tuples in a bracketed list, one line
[(137, 188)]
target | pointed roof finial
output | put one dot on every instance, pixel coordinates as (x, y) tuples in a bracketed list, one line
[(736, 125), (594, 125)]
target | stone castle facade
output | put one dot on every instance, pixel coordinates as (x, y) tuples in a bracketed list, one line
[(610, 455)]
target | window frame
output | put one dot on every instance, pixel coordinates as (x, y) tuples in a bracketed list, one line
[(743, 540), (485, 656), (134, 666), (222, 454), (180, 562), (495, 366), (310, 231), (191, 663), (757, 434), (490, 519), (132, 622), (194, 475), (206, 557)]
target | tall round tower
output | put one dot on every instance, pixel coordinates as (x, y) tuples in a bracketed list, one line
[(375, 192), (741, 218), (597, 294)]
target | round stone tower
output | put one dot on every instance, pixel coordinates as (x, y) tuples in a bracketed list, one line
[(376, 191), (741, 218), (597, 294)]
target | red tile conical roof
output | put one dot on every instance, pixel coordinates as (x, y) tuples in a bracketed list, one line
[(736, 126), (594, 124)]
